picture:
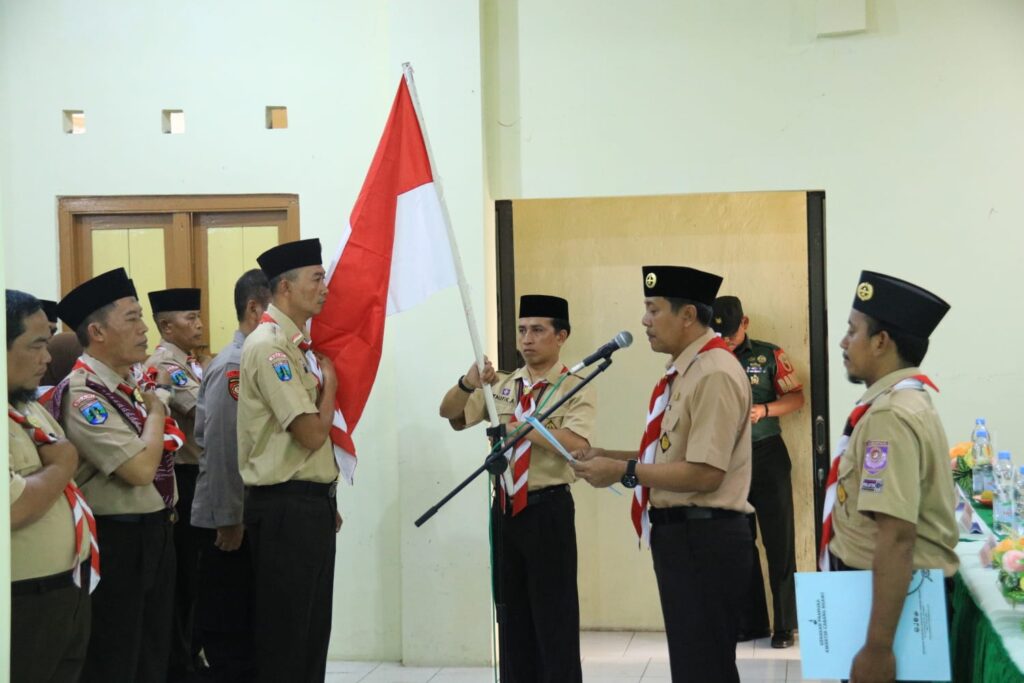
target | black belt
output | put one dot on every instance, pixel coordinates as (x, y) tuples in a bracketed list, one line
[(309, 489), (186, 466), (159, 517), (540, 495), (45, 584), (689, 513), (837, 565)]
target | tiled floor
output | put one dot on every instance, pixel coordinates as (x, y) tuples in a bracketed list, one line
[(608, 656)]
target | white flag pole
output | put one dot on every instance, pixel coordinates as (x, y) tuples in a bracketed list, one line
[(467, 305)]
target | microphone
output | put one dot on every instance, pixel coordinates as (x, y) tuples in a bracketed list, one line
[(621, 341)]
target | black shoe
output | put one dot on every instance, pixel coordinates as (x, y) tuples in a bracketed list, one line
[(782, 639), (744, 636)]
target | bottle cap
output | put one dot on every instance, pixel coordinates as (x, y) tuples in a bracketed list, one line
[(1004, 455)]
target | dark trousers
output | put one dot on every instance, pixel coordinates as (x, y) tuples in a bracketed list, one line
[(771, 494), (184, 648), (699, 564), (538, 587), (223, 621), (49, 631), (133, 605), (292, 544)]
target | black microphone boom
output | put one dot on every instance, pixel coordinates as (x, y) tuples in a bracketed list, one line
[(621, 341)]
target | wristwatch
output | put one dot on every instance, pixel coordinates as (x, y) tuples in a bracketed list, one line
[(629, 479)]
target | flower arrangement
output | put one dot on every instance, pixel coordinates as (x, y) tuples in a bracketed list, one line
[(961, 460), (1008, 558)]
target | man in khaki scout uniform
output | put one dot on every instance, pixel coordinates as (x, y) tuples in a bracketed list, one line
[(538, 553), (286, 458), (694, 471), (49, 612), (127, 478), (178, 321), (225, 568), (894, 493)]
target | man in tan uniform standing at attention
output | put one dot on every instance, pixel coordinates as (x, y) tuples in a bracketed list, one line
[(286, 459), (893, 489), (694, 469), (50, 568), (127, 475), (180, 326), (538, 550)]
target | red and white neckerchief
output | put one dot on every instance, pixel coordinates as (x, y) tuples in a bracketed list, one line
[(174, 438), (305, 345), (519, 465), (917, 382), (80, 511), (639, 510)]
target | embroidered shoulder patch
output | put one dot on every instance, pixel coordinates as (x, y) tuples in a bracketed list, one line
[(179, 377), (83, 400), (282, 368), (871, 485), (94, 413), (876, 456), (233, 376)]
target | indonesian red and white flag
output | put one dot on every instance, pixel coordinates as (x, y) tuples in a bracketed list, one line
[(394, 253)]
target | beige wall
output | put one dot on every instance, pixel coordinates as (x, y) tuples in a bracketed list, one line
[(590, 252)]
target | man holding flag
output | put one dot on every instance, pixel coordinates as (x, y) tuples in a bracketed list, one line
[(694, 470), (538, 543), (285, 414)]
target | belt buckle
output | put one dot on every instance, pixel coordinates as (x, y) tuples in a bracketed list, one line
[(332, 492)]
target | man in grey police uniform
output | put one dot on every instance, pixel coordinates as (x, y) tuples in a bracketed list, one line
[(222, 612)]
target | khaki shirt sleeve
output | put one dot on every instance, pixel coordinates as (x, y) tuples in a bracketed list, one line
[(287, 399), (17, 486), (183, 396), (579, 412), (718, 409), (107, 445), (475, 411), (890, 477)]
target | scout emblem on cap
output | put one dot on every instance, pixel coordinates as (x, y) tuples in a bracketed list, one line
[(865, 291), (651, 280), (718, 320)]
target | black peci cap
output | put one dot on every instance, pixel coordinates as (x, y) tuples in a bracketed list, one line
[(680, 282), (290, 255), (728, 314), (180, 299), (543, 306), (50, 309), (94, 294), (899, 303)]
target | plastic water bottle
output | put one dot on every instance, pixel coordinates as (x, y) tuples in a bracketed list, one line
[(1004, 494), (982, 450), (979, 423), (1018, 517)]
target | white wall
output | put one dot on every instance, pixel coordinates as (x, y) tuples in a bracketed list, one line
[(421, 595), (912, 128)]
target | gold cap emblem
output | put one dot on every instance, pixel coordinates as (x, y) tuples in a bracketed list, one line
[(865, 291), (718, 321), (651, 280)]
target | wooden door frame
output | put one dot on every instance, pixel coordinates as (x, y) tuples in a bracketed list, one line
[(182, 206), (509, 358)]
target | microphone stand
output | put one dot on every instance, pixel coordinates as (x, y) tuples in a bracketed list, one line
[(496, 463)]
